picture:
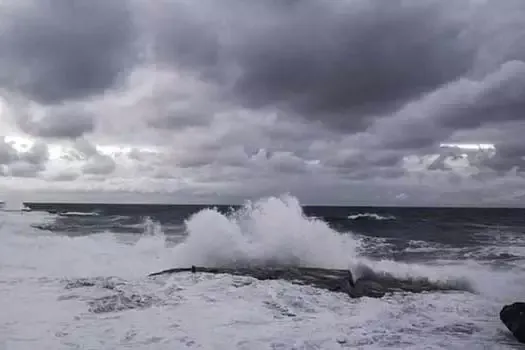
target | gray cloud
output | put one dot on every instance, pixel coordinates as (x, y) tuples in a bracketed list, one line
[(95, 163), (179, 119), (354, 65), (345, 64), (99, 164), (83, 149), (464, 104), (7, 153), (23, 169), (338, 62), (56, 50), (66, 176), (57, 122), (507, 157), (28, 163), (36, 155), (271, 97)]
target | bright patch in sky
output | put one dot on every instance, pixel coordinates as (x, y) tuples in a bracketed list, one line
[(469, 146), (112, 150), (56, 151), (23, 144)]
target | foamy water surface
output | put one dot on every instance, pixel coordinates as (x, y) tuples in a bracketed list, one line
[(90, 292)]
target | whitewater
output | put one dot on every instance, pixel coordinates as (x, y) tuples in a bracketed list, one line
[(90, 291)]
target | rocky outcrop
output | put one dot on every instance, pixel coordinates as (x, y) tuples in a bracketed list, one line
[(369, 283), (513, 317)]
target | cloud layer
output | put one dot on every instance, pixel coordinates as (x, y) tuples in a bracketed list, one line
[(333, 101)]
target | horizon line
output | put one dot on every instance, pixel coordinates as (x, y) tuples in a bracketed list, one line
[(449, 206)]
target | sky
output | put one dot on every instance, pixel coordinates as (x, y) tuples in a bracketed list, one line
[(358, 102)]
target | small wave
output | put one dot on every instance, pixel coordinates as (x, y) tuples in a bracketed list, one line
[(117, 218), (372, 216), (75, 213), (503, 238), (417, 246)]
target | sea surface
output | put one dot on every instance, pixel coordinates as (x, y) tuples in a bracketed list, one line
[(75, 276)]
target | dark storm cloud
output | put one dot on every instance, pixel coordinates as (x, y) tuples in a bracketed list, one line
[(431, 68), (181, 37), (499, 98), (54, 50), (357, 85), (352, 65), (180, 119), (465, 104), (334, 61), (339, 62), (508, 156)]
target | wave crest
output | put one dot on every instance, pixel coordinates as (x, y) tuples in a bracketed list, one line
[(272, 231), (372, 216)]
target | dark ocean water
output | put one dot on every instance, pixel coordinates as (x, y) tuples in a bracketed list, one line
[(405, 233), (456, 226)]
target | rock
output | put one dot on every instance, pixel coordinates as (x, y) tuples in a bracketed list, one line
[(364, 288), (369, 283), (513, 317)]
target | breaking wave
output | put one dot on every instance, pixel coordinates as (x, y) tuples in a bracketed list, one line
[(372, 216), (76, 213), (269, 231), (275, 231)]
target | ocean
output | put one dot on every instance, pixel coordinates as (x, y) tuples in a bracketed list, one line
[(75, 276)]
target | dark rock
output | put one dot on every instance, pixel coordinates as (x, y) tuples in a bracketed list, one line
[(513, 317), (369, 283), (367, 288)]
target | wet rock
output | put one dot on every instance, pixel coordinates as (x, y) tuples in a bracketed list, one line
[(513, 317), (369, 283), (364, 288)]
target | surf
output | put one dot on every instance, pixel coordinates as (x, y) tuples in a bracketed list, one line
[(274, 231)]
